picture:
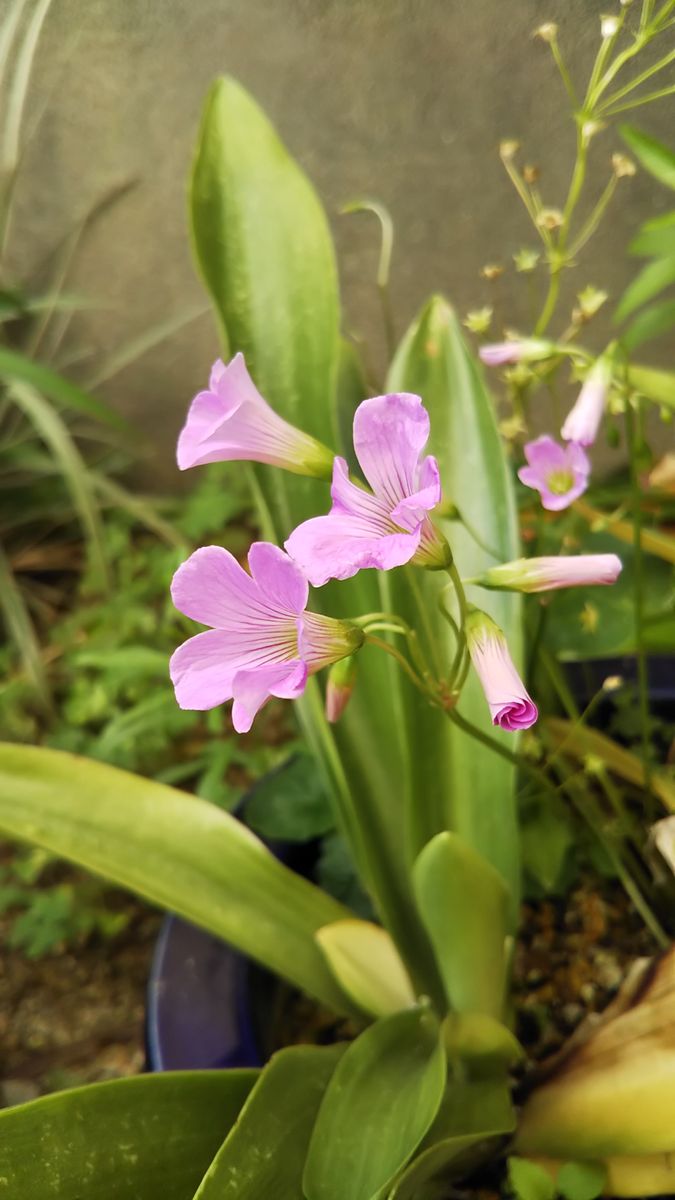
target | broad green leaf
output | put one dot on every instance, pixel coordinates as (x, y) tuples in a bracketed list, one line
[(175, 850), (290, 804), (263, 1157), (656, 238), (152, 1136), (658, 386), (547, 837), (529, 1181), (651, 280), (383, 1097), (473, 1113), (651, 154), (581, 1180), (15, 367), (464, 904), (366, 964), (263, 246), (649, 324), (454, 784)]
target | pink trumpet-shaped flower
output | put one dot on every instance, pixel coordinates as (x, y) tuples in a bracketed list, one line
[(387, 526), (583, 420), (262, 642), (510, 706), (232, 421), (504, 354), (558, 473), (553, 571)]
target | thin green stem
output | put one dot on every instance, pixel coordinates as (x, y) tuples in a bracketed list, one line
[(404, 664), (550, 302), (640, 100), (639, 592), (564, 73), (595, 218), (636, 81)]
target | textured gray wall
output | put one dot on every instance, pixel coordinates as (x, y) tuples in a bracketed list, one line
[(404, 100)]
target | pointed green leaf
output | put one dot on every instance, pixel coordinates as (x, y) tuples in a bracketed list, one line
[(656, 238), (151, 1136), (381, 1100), (263, 1157), (656, 158), (651, 280), (473, 1113), (15, 366), (454, 785), (658, 386), (175, 850), (649, 324), (464, 904), (264, 249)]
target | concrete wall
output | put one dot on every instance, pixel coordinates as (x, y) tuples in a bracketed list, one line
[(404, 100)]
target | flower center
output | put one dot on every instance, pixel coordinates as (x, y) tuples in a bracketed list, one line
[(559, 482)]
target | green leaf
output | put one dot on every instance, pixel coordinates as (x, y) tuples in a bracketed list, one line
[(453, 785), (649, 324), (658, 386), (15, 367), (656, 238), (529, 1181), (473, 1114), (290, 804), (264, 249), (464, 904), (547, 837), (56, 435), (381, 1100), (175, 850), (19, 627), (582, 1180), (651, 280), (651, 154), (263, 1157), (151, 1136), (366, 964)]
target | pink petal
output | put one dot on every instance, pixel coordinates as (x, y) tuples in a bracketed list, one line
[(338, 545), (252, 688), (212, 588), (409, 512), (517, 714), (349, 498), (390, 433), (199, 670), (545, 454), (280, 580)]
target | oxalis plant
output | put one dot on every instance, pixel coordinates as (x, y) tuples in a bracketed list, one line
[(405, 667)]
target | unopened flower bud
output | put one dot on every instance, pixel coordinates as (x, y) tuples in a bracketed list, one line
[(492, 271), (510, 706), (526, 260), (612, 683), (609, 26), (341, 681), (501, 354), (530, 173), (623, 166), (583, 421), (549, 218), (552, 572), (479, 320), (508, 148), (547, 32)]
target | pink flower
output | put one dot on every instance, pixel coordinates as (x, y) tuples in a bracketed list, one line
[(502, 354), (387, 526), (510, 706), (558, 473), (262, 642), (583, 420), (232, 421), (553, 571)]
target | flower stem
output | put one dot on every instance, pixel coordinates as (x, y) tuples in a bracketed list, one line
[(639, 593)]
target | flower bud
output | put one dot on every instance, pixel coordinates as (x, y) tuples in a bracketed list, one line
[(550, 219), (341, 681), (552, 572), (623, 166), (502, 354), (508, 148), (583, 420), (510, 706), (609, 26), (547, 32)]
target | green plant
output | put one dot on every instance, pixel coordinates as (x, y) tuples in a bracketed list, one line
[(423, 789)]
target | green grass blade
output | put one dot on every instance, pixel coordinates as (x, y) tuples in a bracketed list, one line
[(20, 628), (137, 347), (16, 367), (55, 434)]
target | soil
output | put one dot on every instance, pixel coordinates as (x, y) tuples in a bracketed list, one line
[(77, 1015)]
